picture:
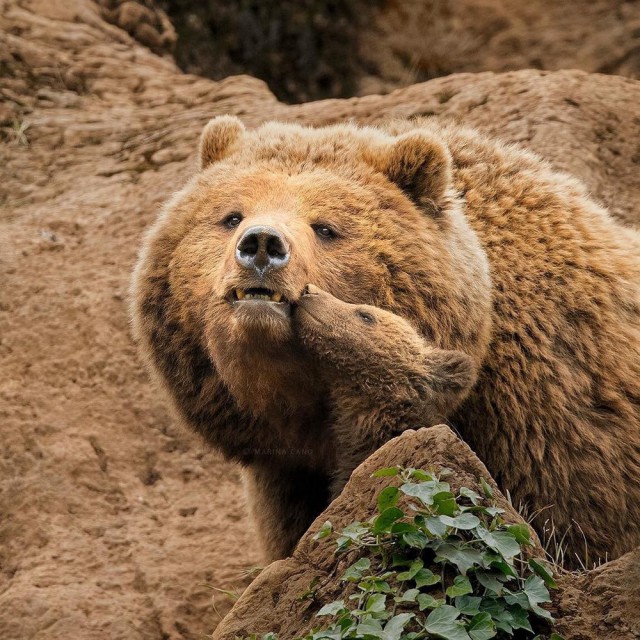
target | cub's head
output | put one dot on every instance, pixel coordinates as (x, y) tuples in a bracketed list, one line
[(367, 348), (367, 216)]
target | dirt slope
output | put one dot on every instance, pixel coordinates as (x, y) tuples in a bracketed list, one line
[(112, 521)]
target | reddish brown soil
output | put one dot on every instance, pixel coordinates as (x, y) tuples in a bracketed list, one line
[(113, 522)]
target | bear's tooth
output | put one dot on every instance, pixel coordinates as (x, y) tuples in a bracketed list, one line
[(276, 297), (240, 294)]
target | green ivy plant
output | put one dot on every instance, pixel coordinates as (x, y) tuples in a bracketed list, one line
[(433, 564)]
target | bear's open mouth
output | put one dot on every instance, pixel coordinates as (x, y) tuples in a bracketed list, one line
[(259, 293)]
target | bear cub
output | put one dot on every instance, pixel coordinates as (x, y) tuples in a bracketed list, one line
[(382, 377)]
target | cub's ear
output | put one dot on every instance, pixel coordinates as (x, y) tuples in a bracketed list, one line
[(451, 374), (220, 137), (421, 167)]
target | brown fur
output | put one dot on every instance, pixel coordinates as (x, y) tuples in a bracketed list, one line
[(382, 377), (479, 246)]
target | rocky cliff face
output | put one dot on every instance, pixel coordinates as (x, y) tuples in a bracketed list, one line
[(114, 522)]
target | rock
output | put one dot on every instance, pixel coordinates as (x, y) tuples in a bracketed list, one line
[(96, 131), (602, 604), (273, 602), (314, 50)]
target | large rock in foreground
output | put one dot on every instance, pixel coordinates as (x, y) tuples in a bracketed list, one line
[(114, 523), (601, 604)]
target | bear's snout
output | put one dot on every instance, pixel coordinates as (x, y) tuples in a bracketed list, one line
[(262, 249)]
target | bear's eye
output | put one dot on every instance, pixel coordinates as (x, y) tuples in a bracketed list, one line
[(232, 220), (366, 317), (324, 231)]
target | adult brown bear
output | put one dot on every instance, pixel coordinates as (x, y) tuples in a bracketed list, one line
[(479, 246)]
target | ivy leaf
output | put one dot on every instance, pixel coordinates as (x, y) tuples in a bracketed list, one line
[(486, 488), (413, 569), (521, 533), (463, 558), (388, 497), (482, 627), (416, 539), (435, 526), (471, 495), (325, 531), (443, 622), (445, 503), (395, 626), (468, 605), (387, 472), (426, 578), (421, 476), (369, 627), (383, 522), (490, 581), (464, 521), (536, 591), (543, 572), (519, 618), (501, 541), (376, 603), (424, 491), (425, 601), (403, 527), (409, 595), (354, 572), (332, 609), (460, 587)]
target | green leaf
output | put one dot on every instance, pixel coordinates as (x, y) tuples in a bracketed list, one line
[(332, 609), (468, 605), (556, 636), (536, 590), (409, 595), (414, 567), (488, 491), (388, 497), (416, 540), (443, 622), (425, 601), (464, 521), (519, 618), (395, 626), (463, 558), (424, 491), (369, 627), (387, 472), (445, 503), (482, 627), (460, 587), (354, 572), (403, 527), (537, 593), (490, 581), (383, 522), (426, 578), (325, 531), (436, 527), (376, 603), (543, 572), (421, 476), (520, 532), (470, 494), (501, 541)]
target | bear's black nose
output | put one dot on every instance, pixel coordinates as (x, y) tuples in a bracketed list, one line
[(262, 248)]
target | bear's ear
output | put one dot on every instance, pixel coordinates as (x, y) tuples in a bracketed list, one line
[(220, 137), (451, 373), (421, 167)]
